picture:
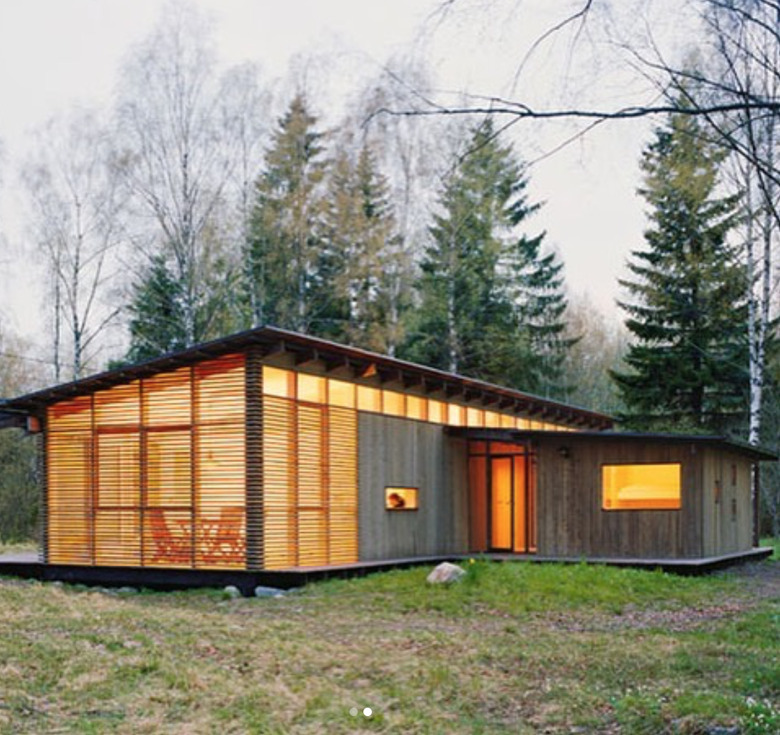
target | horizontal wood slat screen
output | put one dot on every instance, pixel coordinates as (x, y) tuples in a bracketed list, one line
[(309, 484), (151, 473)]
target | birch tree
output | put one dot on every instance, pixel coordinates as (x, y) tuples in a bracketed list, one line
[(745, 40), (72, 187), (414, 156), (179, 159)]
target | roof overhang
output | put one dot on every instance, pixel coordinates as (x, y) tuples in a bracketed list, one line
[(515, 435), (302, 351), (12, 419)]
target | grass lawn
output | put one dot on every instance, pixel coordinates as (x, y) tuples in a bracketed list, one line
[(514, 648)]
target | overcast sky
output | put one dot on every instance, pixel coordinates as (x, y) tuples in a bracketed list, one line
[(56, 52)]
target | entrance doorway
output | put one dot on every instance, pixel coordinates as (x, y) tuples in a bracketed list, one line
[(503, 497)]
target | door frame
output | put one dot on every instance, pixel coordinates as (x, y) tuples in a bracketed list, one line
[(481, 485), (513, 491)]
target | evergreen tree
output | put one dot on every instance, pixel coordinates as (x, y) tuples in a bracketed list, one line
[(157, 323), (359, 260), (491, 304), (688, 362), (283, 249)]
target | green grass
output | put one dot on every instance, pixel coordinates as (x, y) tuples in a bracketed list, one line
[(514, 648), (775, 544), (15, 548)]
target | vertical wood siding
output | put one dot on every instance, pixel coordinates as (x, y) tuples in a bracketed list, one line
[(397, 452), (727, 509), (571, 521)]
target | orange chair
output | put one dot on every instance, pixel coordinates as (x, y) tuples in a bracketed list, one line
[(225, 540), (168, 547)]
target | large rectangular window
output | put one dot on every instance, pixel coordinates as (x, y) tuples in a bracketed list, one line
[(641, 486)]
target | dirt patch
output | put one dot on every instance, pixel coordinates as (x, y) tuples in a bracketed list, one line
[(759, 581), (762, 578)]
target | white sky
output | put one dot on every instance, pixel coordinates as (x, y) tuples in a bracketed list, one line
[(56, 52)]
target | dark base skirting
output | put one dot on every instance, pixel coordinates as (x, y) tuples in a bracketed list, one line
[(173, 579)]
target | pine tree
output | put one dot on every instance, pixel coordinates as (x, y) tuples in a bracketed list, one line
[(359, 260), (285, 230), (491, 304), (688, 362)]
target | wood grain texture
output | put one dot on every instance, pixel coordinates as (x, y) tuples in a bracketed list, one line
[(571, 521), (407, 453)]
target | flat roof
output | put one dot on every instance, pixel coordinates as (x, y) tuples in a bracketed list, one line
[(305, 349), (509, 435)]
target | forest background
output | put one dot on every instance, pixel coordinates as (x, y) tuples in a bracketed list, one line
[(381, 210)]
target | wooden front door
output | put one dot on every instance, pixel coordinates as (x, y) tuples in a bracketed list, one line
[(512, 506), (501, 492)]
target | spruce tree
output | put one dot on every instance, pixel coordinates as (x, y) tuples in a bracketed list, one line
[(687, 311), (491, 303), (284, 242), (159, 318), (157, 322), (358, 259)]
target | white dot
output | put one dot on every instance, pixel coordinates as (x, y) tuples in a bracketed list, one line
[(353, 711), (368, 712)]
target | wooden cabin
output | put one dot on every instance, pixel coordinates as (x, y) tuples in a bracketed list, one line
[(273, 451)]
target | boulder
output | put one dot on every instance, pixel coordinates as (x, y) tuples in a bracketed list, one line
[(261, 591), (446, 573)]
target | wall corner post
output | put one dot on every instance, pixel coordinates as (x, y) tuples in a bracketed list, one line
[(254, 459)]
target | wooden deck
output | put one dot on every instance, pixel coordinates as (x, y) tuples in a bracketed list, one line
[(27, 566)]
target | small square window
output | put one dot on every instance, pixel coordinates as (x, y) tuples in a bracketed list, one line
[(401, 498)]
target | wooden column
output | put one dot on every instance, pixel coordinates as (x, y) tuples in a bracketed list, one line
[(254, 459)]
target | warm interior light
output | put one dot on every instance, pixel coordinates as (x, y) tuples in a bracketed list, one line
[(401, 498), (641, 486)]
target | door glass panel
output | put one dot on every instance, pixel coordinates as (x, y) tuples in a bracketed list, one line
[(501, 503)]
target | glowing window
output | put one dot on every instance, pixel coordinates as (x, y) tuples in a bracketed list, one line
[(401, 498), (508, 422), (475, 417), (278, 382), (311, 388), (341, 394), (393, 403), (436, 411), (641, 486), (369, 399), (492, 418), (416, 408), (456, 414)]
